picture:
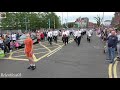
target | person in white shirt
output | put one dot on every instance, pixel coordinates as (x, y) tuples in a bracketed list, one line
[(64, 35), (91, 31), (55, 34), (50, 36), (67, 35), (88, 36), (78, 37), (75, 35), (14, 37)]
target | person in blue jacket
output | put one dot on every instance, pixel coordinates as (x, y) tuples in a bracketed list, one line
[(112, 44)]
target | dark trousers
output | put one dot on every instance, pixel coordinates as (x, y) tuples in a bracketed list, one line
[(55, 38), (50, 40), (88, 38), (67, 39), (64, 39), (8, 45), (78, 40)]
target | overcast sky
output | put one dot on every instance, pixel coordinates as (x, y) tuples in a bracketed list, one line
[(73, 15)]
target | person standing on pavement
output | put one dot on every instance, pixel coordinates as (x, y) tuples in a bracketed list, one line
[(50, 36), (28, 50), (78, 37), (112, 44), (38, 37), (7, 44), (14, 37)]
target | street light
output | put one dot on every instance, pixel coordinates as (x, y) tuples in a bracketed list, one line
[(26, 22)]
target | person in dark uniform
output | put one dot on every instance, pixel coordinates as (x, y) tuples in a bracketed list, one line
[(79, 37)]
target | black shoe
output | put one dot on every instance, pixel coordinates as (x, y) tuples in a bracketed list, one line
[(118, 59), (29, 67), (33, 67)]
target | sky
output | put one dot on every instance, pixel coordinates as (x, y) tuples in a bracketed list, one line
[(73, 15)]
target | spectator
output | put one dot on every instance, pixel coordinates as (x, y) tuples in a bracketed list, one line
[(112, 44), (7, 44)]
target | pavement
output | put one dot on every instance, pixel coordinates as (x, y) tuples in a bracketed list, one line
[(59, 61)]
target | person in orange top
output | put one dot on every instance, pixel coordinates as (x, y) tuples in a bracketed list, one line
[(28, 50)]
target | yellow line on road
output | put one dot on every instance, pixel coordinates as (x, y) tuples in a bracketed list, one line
[(10, 56), (46, 47), (110, 70), (34, 57), (54, 51), (115, 68), (16, 59)]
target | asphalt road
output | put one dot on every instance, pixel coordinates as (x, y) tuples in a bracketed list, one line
[(85, 61)]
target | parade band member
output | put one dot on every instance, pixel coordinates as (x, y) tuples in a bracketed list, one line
[(50, 35), (55, 34), (88, 36), (78, 37), (64, 39)]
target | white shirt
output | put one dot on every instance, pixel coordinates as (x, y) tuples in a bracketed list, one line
[(55, 33), (13, 36), (109, 34), (67, 32), (1, 41), (118, 37), (88, 33), (91, 31), (49, 34), (64, 33), (79, 33), (75, 33)]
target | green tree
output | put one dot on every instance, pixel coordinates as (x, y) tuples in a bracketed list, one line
[(98, 20)]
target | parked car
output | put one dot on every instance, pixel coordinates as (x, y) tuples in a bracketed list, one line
[(23, 37)]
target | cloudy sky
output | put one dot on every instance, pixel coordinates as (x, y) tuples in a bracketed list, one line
[(73, 15)]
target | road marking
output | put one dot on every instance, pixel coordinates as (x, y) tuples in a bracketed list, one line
[(18, 56), (54, 51), (34, 57), (10, 56), (115, 68), (45, 47), (110, 70), (16, 59)]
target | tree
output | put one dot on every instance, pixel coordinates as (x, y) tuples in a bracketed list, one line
[(98, 20), (30, 20)]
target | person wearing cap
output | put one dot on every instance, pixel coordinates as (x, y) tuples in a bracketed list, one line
[(112, 44)]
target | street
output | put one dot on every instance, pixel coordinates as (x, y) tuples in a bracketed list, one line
[(59, 61)]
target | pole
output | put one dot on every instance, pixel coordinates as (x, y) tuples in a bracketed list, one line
[(49, 23), (62, 19), (67, 19), (54, 23), (26, 23)]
